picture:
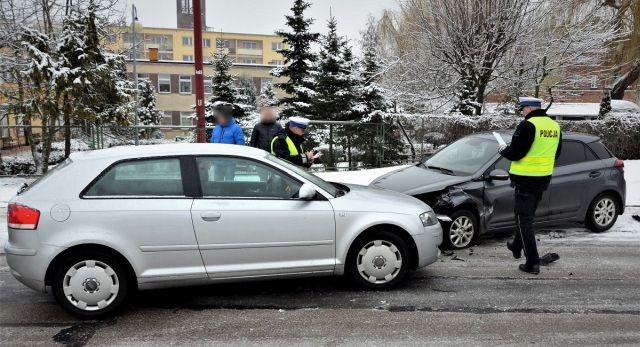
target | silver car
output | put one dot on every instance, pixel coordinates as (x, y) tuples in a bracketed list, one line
[(104, 223)]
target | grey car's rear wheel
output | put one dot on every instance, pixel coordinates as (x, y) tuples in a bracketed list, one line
[(90, 285), (461, 232), (602, 213), (379, 260)]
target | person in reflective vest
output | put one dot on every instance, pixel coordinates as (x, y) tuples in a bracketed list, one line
[(535, 145), (287, 144)]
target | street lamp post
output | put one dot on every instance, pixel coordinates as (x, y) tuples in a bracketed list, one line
[(134, 17), (199, 78)]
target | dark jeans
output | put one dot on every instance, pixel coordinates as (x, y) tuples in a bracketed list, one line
[(526, 203)]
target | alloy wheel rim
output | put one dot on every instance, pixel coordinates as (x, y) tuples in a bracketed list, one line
[(604, 212), (90, 285), (379, 261), (461, 231)]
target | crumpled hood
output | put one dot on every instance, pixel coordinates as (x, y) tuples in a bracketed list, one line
[(414, 180)]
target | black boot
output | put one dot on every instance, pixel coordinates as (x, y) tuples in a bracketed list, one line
[(517, 253), (532, 269)]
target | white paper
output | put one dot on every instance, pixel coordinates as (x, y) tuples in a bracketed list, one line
[(499, 139)]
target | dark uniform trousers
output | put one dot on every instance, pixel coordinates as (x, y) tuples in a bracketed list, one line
[(526, 203)]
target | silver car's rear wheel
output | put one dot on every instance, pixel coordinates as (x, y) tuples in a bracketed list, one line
[(602, 213), (91, 285), (379, 262)]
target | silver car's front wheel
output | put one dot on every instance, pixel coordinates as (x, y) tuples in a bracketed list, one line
[(379, 260), (90, 284)]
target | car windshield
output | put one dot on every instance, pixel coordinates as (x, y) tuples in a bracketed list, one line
[(324, 185), (463, 157)]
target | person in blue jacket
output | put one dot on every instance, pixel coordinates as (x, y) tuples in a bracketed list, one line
[(226, 129)]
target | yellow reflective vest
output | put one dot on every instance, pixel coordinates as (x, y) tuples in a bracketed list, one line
[(541, 157), (293, 151)]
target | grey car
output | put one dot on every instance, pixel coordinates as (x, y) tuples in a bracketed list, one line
[(107, 222), (468, 186)]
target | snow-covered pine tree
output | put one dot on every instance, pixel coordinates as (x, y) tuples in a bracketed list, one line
[(268, 96), (223, 89), (245, 96), (605, 105), (148, 114), (299, 87), (372, 96)]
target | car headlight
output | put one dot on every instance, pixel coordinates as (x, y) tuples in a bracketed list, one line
[(429, 218)]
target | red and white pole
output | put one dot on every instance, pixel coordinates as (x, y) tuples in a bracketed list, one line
[(199, 77)]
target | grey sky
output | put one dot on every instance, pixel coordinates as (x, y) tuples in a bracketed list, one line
[(265, 16)]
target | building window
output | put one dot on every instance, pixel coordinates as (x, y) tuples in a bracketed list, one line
[(185, 84), (277, 62), (263, 82), (276, 46), (143, 76), (249, 61), (208, 86), (186, 118), (187, 58), (167, 119), (4, 121), (187, 41), (206, 43), (112, 38), (594, 82), (164, 83), (249, 45), (220, 43), (185, 6)]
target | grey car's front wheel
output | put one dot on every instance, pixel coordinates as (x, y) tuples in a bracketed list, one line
[(90, 285), (379, 260), (602, 213), (461, 232)]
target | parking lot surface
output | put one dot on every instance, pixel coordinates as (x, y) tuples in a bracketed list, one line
[(471, 297)]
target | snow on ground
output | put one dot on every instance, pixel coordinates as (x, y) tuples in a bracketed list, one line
[(625, 229)]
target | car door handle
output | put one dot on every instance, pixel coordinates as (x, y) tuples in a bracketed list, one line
[(211, 216), (595, 174)]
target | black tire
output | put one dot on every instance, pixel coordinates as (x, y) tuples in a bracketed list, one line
[(90, 280), (602, 213), (453, 237), (378, 264)]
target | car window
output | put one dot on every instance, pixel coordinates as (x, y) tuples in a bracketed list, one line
[(573, 152), (146, 177), (229, 177), (601, 151), (463, 157), (502, 164)]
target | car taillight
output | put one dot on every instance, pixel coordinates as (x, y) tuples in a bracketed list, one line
[(22, 217), (619, 164)]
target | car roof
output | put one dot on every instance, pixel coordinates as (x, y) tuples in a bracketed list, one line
[(566, 135), (173, 149)]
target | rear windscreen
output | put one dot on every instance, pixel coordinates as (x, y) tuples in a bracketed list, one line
[(42, 178)]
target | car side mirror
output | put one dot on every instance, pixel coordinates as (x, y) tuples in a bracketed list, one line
[(307, 192), (498, 175)]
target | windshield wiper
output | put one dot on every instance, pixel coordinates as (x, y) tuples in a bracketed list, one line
[(441, 169)]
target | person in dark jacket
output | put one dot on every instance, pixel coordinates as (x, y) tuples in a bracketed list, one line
[(226, 129), (266, 130), (287, 144), (535, 145)]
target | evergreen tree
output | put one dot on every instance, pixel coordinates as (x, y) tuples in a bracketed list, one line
[(246, 94), (299, 87), (465, 95), (372, 97), (605, 105), (148, 114), (222, 86), (268, 96)]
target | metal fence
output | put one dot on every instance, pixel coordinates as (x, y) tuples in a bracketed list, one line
[(345, 145)]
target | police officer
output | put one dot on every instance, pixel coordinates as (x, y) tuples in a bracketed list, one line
[(535, 146), (287, 144)]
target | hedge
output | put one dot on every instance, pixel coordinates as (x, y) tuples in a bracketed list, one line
[(620, 132)]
